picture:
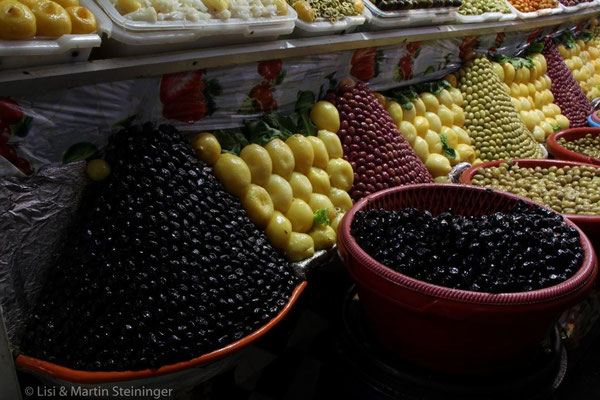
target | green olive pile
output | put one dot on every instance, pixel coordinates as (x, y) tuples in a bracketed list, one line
[(568, 190), (478, 7), (587, 145), (496, 130)]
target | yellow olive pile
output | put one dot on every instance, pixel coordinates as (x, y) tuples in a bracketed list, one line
[(568, 190), (491, 119), (588, 145)]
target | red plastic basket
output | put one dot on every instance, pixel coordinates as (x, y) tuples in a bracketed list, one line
[(589, 224), (562, 153), (451, 330), (59, 373)]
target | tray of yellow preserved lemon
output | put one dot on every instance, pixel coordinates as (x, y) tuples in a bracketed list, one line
[(43, 32)]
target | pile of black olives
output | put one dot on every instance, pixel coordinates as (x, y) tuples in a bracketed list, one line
[(393, 5), (162, 265), (531, 248)]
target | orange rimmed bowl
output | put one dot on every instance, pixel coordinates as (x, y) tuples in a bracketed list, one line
[(452, 330), (185, 374), (562, 153), (589, 224)]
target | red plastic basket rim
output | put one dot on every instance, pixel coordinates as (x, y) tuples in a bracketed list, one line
[(586, 272), (466, 177), (557, 150), (72, 375)]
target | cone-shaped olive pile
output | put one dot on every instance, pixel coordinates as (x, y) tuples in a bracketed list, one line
[(567, 92), (162, 266), (492, 121), (376, 150)]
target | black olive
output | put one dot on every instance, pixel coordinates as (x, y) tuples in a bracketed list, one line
[(530, 248), (160, 249)]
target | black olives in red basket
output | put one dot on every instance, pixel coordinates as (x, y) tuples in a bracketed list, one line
[(528, 249)]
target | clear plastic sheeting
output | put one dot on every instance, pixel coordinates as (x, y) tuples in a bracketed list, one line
[(34, 213)]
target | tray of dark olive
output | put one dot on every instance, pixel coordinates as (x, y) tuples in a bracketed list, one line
[(162, 271), (528, 249)]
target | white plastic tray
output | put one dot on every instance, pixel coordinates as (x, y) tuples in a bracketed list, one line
[(214, 25), (380, 20), (578, 7), (485, 17), (46, 51), (323, 27), (123, 42), (535, 14)]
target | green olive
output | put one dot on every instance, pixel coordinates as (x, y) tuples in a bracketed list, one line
[(570, 190)]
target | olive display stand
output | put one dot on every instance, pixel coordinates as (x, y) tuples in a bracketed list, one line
[(40, 79)]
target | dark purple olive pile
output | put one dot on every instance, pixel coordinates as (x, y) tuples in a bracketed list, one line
[(393, 5), (529, 249), (571, 3), (378, 153), (162, 266), (567, 94)]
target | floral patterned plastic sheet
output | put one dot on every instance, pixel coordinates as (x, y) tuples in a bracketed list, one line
[(69, 125)]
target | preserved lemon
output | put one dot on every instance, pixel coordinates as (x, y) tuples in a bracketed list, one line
[(282, 8), (97, 169), (302, 149), (233, 173), (301, 186), (323, 236), (16, 20), (340, 199), (300, 246), (259, 162), (323, 113), (82, 21), (319, 180), (340, 173), (282, 158), (128, 6), (258, 205), (336, 221), (206, 145), (305, 11), (216, 5), (52, 19), (321, 157), (332, 143), (29, 3), (318, 201), (68, 3), (438, 165), (279, 230), (280, 191), (300, 215)]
